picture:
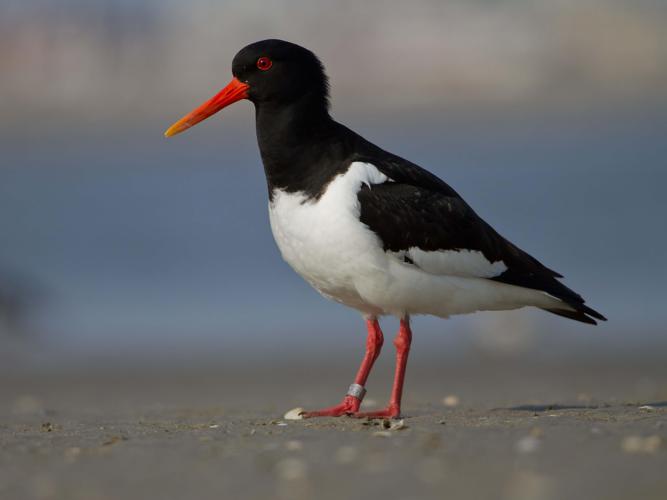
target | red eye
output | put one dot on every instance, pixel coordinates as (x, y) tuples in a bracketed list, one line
[(264, 63)]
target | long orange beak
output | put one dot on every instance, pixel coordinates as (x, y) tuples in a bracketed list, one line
[(234, 91)]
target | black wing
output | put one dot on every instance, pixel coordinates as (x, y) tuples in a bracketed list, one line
[(417, 209)]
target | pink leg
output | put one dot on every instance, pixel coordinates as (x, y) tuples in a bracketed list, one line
[(402, 343), (351, 403)]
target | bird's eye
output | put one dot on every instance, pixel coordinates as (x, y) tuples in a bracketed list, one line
[(264, 63)]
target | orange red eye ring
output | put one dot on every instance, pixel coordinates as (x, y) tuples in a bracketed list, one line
[(264, 63)]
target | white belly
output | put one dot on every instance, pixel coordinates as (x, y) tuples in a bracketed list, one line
[(324, 241)]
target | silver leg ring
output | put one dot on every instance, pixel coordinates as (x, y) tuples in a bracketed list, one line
[(356, 390)]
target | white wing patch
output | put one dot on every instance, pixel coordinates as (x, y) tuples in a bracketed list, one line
[(363, 173), (464, 263)]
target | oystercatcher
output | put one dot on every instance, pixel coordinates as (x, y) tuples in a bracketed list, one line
[(367, 228)]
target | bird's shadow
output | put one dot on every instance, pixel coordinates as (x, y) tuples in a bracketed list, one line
[(553, 407)]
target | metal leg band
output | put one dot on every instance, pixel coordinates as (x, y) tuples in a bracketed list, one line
[(357, 391)]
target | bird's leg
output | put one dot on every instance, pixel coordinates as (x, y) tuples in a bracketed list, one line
[(402, 343), (355, 394)]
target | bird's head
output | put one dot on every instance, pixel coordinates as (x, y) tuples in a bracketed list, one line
[(270, 72)]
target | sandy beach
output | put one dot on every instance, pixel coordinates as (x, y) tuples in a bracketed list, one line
[(498, 430)]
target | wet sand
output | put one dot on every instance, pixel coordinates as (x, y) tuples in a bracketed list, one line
[(508, 431)]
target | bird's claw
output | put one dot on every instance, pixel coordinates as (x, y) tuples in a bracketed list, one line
[(349, 406), (389, 412)]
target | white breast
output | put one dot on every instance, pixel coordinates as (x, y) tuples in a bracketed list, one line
[(323, 240)]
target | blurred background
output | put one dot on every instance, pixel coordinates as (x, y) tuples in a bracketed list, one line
[(116, 244)]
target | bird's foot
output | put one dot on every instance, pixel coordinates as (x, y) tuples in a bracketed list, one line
[(391, 411), (349, 406)]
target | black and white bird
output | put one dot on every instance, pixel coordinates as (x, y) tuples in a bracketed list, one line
[(367, 228)]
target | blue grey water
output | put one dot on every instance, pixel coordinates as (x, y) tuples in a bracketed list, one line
[(139, 242)]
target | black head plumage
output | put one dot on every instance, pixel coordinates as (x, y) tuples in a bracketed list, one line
[(280, 73)]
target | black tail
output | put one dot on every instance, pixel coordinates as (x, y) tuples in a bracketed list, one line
[(547, 281), (581, 313)]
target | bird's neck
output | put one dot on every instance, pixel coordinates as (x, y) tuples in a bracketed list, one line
[(298, 144)]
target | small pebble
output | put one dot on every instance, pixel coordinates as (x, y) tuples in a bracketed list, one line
[(397, 425), (647, 408), (213, 426), (451, 401), (294, 414)]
